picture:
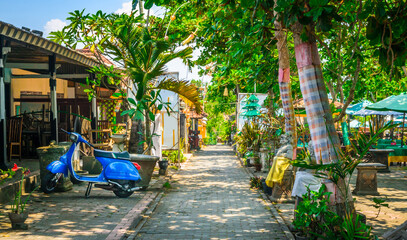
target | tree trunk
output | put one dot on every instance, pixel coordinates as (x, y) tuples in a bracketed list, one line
[(323, 134), (319, 116), (148, 136), (285, 84), (135, 137)]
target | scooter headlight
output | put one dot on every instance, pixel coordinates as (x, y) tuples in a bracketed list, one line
[(73, 137)]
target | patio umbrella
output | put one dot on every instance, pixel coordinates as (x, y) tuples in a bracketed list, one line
[(357, 107), (367, 112), (355, 124), (393, 103)]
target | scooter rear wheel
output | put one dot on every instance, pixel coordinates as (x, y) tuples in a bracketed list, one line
[(49, 182), (122, 193)]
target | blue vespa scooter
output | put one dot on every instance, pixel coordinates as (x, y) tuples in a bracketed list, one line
[(119, 174)]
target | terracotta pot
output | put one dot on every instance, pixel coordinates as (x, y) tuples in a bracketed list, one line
[(257, 166), (17, 217)]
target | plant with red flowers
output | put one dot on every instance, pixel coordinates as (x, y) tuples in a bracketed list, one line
[(8, 174), (18, 205)]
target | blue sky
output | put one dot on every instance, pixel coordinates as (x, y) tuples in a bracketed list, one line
[(47, 15), (35, 14)]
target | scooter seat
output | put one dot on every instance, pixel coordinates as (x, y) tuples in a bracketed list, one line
[(107, 154)]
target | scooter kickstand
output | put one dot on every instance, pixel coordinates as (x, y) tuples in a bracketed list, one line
[(88, 189)]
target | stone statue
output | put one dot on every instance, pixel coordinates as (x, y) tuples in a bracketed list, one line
[(281, 161), (286, 149), (312, 156)]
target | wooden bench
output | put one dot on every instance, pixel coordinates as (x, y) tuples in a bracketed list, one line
[(366, 182), (400, 233)]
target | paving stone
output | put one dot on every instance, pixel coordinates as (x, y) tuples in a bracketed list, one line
[(69, 215), (211, 199)]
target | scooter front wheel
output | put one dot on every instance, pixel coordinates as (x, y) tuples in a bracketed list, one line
[(49, 182)]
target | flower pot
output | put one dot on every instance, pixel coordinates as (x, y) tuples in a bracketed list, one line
[(266, 189), (91, 165), (257, 166), (147, 164), (300, 236), (17, 220), (163, 164), (248, 163), (163, 167), (257, 163), (52, 153)]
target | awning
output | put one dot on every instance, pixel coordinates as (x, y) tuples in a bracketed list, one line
[(31, 52)]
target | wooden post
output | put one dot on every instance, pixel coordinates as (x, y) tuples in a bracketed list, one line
[(3, 141), (53, 96), (94, 113)]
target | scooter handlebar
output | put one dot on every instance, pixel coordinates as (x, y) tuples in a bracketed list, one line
[(79, 135), (65, 131)]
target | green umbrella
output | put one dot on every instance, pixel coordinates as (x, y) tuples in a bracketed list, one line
[(356, 107), (393, 103)]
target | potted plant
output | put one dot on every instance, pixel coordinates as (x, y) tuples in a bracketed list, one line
[(248, 155), (313, 218), (266, 189), (255, 182), (17, 215), (163, 164), (257, 163)]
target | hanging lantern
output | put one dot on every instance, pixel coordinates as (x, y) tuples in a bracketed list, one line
[(226, 92)]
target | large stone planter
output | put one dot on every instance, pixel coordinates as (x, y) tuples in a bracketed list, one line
[(147, 164), (52, 153), (91, 165)]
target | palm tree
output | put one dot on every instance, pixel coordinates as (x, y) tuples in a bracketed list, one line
[(141, 57)]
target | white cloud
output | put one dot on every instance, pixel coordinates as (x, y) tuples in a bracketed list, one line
[(154, 11), (126, 8), (53, 25)]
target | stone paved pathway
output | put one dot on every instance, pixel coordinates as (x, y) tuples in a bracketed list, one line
[(211, 199), (69, 215)]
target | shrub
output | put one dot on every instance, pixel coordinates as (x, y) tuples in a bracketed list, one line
[(255, 182), (172, 156)]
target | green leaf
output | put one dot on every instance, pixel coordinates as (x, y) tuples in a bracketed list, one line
[(134, 5), (151, 115), (139, 115), (130, 112), (132, 101), (148, 4)]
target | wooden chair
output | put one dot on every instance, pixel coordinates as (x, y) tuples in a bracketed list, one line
[(15, 129), (102, 139)]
